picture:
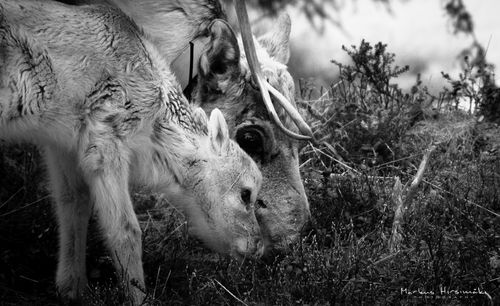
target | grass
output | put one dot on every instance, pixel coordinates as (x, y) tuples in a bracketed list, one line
[(370, 134)]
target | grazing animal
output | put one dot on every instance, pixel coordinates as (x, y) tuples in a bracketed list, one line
[(224, 82), (87, 86)]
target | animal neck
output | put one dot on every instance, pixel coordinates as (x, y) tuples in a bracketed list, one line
[(163, 157), (185, 66), (174, 140), (175, 133), (172, 24)]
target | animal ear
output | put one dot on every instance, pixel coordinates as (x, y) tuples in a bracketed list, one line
[(277, 42), (220, 61), (218, 131), (200, 117)]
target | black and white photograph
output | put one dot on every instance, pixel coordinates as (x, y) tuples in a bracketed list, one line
[(249, 152)]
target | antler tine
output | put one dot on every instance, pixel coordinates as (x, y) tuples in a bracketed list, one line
[(292, 111), (253, 63)]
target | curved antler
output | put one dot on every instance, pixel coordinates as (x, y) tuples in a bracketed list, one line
[(264, 86)]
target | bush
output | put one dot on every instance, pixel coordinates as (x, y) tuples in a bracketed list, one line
[(370, 132)]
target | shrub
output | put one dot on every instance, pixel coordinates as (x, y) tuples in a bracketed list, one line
[(370, 132)]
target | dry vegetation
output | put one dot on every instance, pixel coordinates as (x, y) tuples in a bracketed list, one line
[(371, 135)]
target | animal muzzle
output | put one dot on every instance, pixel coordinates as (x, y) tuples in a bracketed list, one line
[(282, 237), (249, 248)]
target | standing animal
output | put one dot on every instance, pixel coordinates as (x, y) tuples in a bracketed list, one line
[(224, 81), (87, 86)]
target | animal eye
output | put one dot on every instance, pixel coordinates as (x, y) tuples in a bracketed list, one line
[(251, 140), (246, 196)]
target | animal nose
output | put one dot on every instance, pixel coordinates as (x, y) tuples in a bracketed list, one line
[(245, 248), (260, 204)]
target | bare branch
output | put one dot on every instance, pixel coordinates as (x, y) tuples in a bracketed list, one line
[(397, 199), (400, 205), (419, 176)]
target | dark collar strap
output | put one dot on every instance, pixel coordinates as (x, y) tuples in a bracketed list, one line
[(192, 81), (191, 60)]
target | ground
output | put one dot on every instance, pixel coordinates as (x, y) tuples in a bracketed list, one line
[(370, 135)]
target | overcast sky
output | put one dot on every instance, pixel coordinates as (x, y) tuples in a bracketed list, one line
[(416, 31)]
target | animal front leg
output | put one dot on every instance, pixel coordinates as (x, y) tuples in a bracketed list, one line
[(107, 177), (73, 212)]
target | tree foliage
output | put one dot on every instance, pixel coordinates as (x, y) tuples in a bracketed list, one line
[(318, 12), (477, 81)]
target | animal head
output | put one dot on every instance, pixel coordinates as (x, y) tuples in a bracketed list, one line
[(225, 82), (218, 191)]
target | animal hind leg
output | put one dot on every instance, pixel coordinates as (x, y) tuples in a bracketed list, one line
[(73, 211), (106, 166)]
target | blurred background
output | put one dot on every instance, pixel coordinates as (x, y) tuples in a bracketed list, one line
[(373, 141), (420, 33), (428, 35)]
